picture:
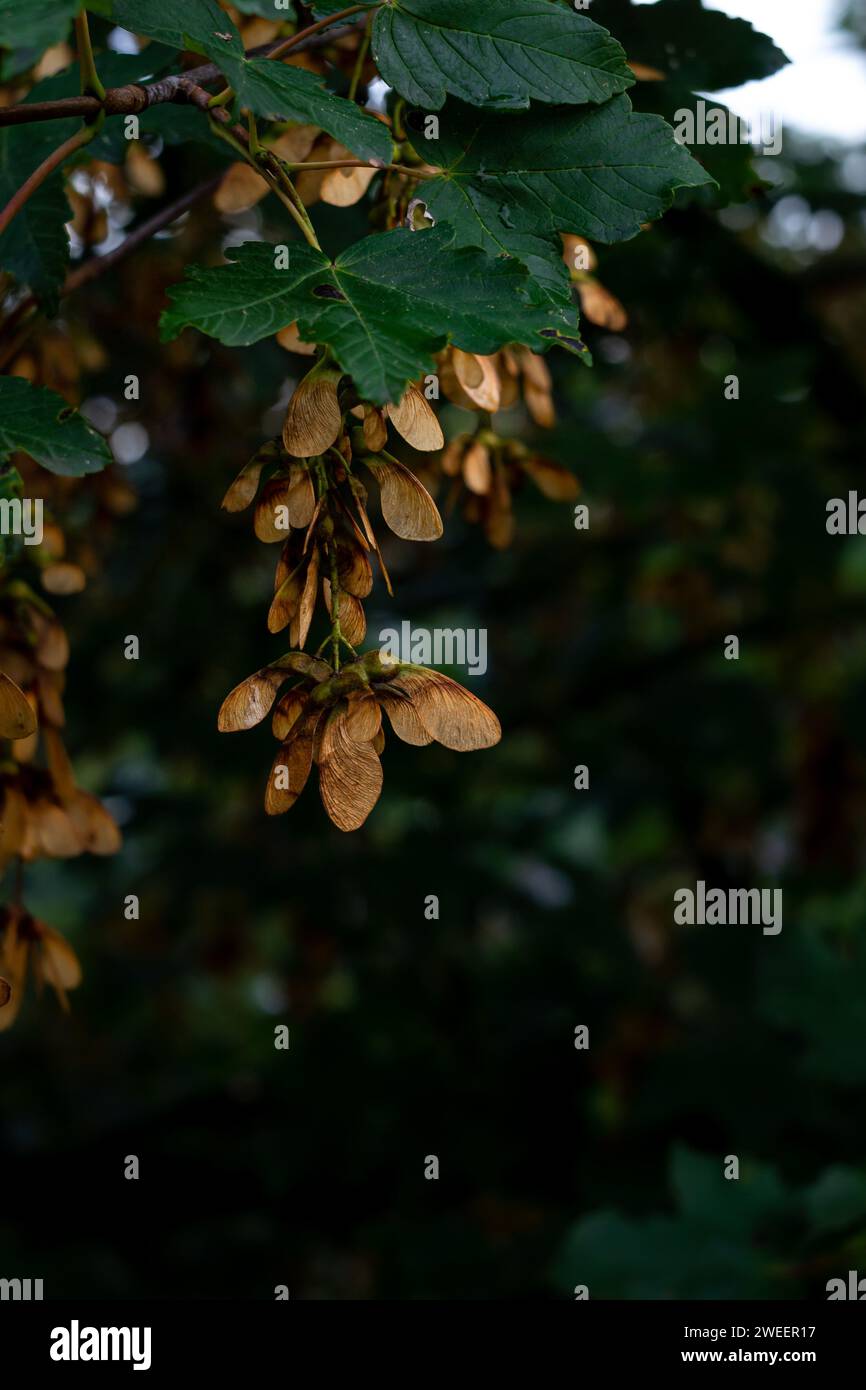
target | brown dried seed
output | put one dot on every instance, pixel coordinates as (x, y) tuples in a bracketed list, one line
[(354, 569), (17, 718), (249, 702), (144, 173), (342, 188), (600, 306), (271, 517), (535, 370), (577, 252), (301, 499), (241, 189), (287, 712), (407, 506), (52, 644), (353, 622), (450, 385), (350, 775), (13, 823), (58, 764), (245, 485), (448, 711), (404, 720), (300, 625), (374, 429), (452, 459), (58, 962), (363, 718), (55, 831), (289, 339), (477, 469), (416, 420), (13, 963), (291, 768), (286, 599), (63, 578), (314, 418), (96, 826), (478, 377), (552, 479), (49, 688), (295, 144), (539, 403)]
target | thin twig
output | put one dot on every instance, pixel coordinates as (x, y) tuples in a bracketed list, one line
[(361, 57), (98, 265), (295, 41), (415, 173), (42, 172)]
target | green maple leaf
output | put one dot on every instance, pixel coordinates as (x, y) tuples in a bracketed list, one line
[(41, 424), (512, 183), (385, 307), (496, 53), (199, 25), (278, 92)]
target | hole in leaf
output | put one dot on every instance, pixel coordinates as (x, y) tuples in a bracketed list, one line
[(327, 292)]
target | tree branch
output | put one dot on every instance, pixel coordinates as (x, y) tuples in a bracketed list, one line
[(137, 97)]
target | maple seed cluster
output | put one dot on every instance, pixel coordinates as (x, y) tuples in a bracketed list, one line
[(333, 718), (44, 813), (311, 496)]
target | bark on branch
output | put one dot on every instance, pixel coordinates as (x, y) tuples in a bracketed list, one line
[(137, 97)]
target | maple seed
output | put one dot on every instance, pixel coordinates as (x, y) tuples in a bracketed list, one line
[(25, 941), (314, 418), (17, 719), (407, 506), (415, 419), (246, 484)]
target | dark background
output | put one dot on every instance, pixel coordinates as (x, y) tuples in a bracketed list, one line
[(454, 1037)]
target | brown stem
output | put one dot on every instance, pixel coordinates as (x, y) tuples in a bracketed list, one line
[(296, 40), (41, 173), (363, 164)]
